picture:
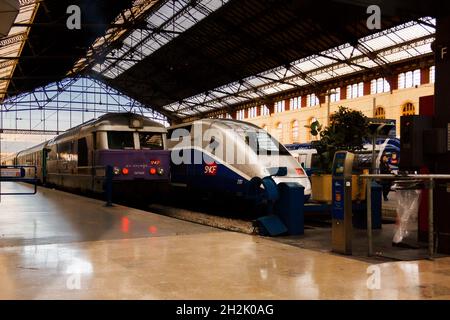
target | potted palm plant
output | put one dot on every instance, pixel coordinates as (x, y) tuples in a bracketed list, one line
[(347, 131)]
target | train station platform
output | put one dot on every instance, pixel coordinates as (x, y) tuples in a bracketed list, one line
[(56, 245)]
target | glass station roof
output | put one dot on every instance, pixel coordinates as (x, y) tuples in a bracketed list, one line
[(405, 41), (138, 9), (163, 25), (150, 24), (11, 45)]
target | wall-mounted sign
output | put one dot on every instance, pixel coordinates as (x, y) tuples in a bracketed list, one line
[(443, 53)]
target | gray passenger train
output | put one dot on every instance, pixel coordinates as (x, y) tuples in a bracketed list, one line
[(224, 156), (132, 144)]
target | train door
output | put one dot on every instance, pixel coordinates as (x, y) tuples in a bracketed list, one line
[(93, 148), (195, 170), (180, 169), (83, 154), (44, 159), (206, 167)]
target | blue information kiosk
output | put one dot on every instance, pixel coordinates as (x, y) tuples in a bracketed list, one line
[(341, 231)]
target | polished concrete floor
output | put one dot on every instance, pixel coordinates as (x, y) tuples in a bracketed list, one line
[(56, 245)]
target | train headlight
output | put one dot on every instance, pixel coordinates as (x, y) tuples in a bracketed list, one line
[(116, 171), (161, 171)]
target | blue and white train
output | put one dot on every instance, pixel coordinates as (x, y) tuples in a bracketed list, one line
[(225, 156), (306, 154)]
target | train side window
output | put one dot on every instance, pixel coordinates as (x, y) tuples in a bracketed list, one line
[(65, 151), (214, 144), (263, 144), (82, 152), (151, 140)]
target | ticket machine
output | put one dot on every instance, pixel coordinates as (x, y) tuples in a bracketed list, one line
[(341, 232)]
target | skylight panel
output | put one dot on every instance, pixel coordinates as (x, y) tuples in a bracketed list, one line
[(380, 43), (257, 81), (172, 17), (410, 33), (305, 66), (368, 63), (322, 77), (299, 82)]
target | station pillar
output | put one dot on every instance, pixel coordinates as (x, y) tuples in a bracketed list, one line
[(442, 121)]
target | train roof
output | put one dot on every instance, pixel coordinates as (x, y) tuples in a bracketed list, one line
[(225, 122), (32, 149), (107, 121), (299, 146), (116, 119), (122, 118)]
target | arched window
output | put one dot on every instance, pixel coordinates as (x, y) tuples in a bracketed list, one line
[(432, 74), (279, 131), (379, 85), (355, 91), (253, 112), (295, 103), (294, 128), (380, 113), (335, 95), (280, 106), (265, 110), (312, 100), (240, 114), (409, 79), (408, 109)]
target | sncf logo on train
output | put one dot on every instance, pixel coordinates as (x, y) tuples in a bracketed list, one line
[(210, 169)]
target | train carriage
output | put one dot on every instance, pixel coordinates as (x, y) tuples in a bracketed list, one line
[(32, 157), (132, 144), (225, 157)]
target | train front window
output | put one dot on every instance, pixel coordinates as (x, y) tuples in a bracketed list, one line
[(263, 144), (151, 140), (119, 140)]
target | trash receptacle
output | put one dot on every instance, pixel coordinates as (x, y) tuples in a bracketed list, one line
[(408, 199)]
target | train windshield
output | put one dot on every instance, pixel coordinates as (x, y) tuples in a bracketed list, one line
[(263, 144), (151, 140), (119, 140)]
